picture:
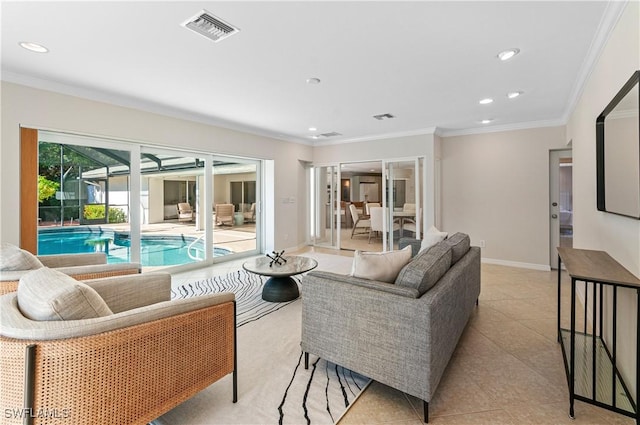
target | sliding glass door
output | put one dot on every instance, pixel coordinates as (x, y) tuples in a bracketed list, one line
[(88, 187)]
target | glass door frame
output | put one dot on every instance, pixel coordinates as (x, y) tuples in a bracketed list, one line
[(420, 188), (420, 179), (316, 210)]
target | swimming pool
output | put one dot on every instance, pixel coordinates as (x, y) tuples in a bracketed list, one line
[(156, 250)]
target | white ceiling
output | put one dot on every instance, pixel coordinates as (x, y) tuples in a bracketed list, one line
[(427, 63)]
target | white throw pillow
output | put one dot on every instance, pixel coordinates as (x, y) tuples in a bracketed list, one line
[(381, 266), (432, 237), (47, 294), (13, 258)]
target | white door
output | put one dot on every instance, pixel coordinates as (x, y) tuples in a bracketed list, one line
[(560, 202)]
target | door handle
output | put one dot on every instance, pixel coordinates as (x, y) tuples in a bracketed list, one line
[(554, 215)]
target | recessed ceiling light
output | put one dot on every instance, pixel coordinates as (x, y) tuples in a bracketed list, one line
[(486, 121), (486, 101), (508, 54), (315, 137), (514, 94), (313, 80), (33, 47), (312, 129)]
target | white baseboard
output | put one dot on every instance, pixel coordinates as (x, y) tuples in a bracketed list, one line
[(542, 267)]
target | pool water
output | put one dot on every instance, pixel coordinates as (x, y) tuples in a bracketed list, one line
[(155, 250)]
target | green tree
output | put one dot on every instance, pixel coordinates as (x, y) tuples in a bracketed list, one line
[(46, 188)]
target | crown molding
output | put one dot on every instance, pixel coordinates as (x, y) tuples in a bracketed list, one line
[(610, 18), (501, 128), (419, 132), (97, 95)]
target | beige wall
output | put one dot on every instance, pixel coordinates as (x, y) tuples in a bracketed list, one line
[(495, 187), (37, 108), (619, 236)]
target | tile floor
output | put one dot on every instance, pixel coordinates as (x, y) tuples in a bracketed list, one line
[(507, 368)]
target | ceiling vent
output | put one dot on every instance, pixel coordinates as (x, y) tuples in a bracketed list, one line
[(332, 134), (207, 25), (383, 117)]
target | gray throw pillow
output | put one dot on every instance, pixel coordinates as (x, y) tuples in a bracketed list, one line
[(426, 268), (47, 294), (460, 244), (13, 258)]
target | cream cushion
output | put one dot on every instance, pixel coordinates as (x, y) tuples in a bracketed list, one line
[(432, 237), (46, 294), (13, 258), (380, 266)]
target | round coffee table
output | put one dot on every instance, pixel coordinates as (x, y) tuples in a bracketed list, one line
[(280, 287)]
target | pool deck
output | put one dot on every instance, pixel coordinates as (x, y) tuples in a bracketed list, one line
[(234, 238)]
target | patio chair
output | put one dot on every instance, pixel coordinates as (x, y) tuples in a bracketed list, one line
[(250, 216), (16, 262), (358, 222), (224, 214), (128, 358), (185, 212)]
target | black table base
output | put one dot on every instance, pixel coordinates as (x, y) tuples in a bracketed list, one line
[(280, 289)]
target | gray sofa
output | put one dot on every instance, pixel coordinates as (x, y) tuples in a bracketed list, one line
[(401, 334)]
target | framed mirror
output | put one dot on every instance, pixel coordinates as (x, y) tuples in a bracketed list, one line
[(618, 152)]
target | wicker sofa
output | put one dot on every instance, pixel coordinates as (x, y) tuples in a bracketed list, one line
[(79, 266), (146, 357), (399, 335)]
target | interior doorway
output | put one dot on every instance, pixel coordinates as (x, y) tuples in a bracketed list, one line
[(560, 202)]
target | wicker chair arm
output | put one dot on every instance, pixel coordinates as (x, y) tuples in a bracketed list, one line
[(122, 293), (100, 270), (68, 260), (14, 325)]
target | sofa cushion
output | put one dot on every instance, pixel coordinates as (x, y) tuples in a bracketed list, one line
[(460, 244), (432, 237), (381, 266), (47, 294), (426, 268), (13, 258)]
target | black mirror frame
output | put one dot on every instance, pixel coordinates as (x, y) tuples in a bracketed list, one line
[(600, 168)]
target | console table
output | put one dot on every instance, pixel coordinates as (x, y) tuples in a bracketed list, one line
[(590, 364)]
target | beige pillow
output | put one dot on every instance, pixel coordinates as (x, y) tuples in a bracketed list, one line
[(381, 266), (13, 258), (432, 237), (47, 294)]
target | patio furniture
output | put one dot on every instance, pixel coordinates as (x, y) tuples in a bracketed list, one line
[(16, 262), (358, 222), (224, 214), (144, 357), (250, 216), (185, 212)]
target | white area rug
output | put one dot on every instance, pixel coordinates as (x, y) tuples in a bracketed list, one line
[(273, 386)]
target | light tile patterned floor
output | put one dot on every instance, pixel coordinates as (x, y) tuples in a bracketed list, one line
[(507, 368)]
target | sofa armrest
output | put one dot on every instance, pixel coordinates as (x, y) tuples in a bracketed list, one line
[(414, 243), (14, 325), (68, 260), (122, 293), (317, 277)]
